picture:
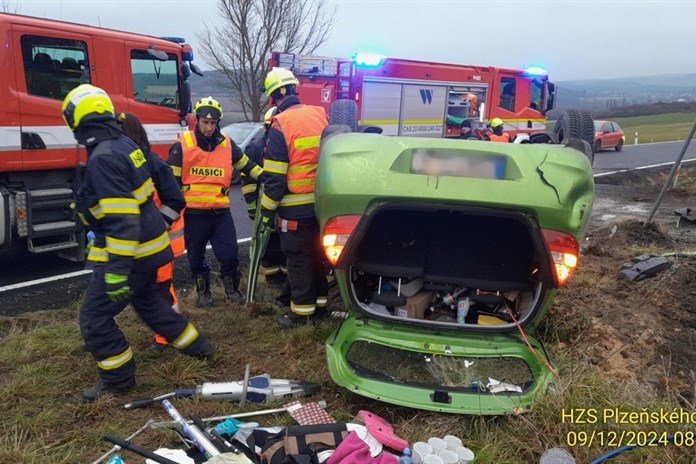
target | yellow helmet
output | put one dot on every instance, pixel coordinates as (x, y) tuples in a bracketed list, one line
[(269, 115), (208, 107), (277, 78), (86, 102), (495, 122)]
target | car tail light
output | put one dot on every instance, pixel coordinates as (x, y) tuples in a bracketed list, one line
[(336, 233), (564, 250)]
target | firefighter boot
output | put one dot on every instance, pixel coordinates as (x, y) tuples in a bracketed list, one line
[(101, 389), (231, 284), (292, 321), (205, 299)]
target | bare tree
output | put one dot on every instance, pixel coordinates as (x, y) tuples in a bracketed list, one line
[(6, 6), (251, 29)]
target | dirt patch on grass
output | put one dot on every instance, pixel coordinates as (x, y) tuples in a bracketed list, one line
[(642, 330)]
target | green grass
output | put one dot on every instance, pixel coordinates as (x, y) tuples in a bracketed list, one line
[(657, 128), (654, 128), (43, 371)]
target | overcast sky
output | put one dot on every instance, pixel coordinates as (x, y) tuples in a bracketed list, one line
[(585, 39)]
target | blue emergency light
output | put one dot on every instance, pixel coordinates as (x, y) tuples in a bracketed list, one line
[(369, 60), (536, 71)]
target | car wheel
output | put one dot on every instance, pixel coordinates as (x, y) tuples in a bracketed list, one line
[(344, 112), (576, 124), (619, 145), (597, 146)]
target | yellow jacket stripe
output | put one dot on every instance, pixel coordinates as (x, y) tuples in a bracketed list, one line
[(120, 247), (295, 199), (302, 168), (114, 206), (144, 192), (194, 202), (114, 362), (269, 203), (142, 250), (176, 170), (152, 246), (275, 167), (243, 161), (304, 143), (188, 336), (248, 188), (298, 183)]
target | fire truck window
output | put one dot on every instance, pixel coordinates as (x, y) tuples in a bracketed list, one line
[(535, 100), (54, 66), (507, 93), (155, 82)]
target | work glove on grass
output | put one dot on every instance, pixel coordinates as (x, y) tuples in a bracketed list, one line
[(117, 288)]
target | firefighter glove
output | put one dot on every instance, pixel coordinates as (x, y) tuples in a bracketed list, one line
[(268, 218), (117, 288), (251, 210)]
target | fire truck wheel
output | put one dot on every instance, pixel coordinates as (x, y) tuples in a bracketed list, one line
[(344, 112), (577, 124)]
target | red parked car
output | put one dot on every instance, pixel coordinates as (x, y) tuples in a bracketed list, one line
[(608, 134)]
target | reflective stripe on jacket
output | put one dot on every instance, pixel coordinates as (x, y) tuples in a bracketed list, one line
[(302, 125), (205, 176)]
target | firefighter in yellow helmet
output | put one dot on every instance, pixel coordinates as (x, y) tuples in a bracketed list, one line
[(203, 160), (114, 199), (496, 133), (287, 204)]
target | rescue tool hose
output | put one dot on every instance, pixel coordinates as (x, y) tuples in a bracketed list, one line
[(623, 449), (529, 345)]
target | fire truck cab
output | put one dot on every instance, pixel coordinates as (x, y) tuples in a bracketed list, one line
[(42, 61), (424, 99)]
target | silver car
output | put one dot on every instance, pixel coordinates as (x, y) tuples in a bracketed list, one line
[(242, 133)]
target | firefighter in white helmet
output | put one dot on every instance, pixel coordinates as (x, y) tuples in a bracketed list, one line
[(287, 203)]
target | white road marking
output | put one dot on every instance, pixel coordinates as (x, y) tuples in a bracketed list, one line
[(71, 275)]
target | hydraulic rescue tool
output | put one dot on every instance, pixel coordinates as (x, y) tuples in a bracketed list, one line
[(258, 389)]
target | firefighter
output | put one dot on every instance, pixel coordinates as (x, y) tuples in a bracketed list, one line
[(114, 199), (287, 204), (273, 264), (170, 201), (496, 133), (203, 160), (467, 132)]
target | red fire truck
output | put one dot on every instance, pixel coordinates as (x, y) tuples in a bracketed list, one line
[(42, 61), (419, 98)]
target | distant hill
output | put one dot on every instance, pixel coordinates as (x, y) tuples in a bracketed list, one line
[(608, 94)]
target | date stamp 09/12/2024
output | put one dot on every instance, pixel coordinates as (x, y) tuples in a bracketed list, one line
[(607, 427)]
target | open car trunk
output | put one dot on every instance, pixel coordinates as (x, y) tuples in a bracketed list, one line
[(448, 258), (463, 268)]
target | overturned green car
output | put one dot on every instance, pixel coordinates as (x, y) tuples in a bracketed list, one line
[(447, 254)]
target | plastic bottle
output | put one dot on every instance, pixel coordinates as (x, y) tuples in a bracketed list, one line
[(406, 457), (463, 305)]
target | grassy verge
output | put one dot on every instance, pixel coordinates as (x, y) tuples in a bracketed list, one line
[(43, 372), (654, 128)]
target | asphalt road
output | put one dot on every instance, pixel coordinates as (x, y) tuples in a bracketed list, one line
[(641, 155)]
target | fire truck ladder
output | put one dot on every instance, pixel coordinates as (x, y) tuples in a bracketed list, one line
[(48, 222)]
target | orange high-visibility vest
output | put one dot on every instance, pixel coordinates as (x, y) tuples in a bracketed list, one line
[(205, 176), (499, 138), (302, 125)]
